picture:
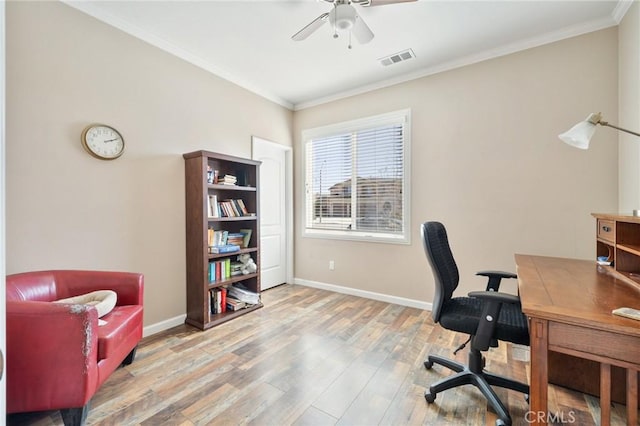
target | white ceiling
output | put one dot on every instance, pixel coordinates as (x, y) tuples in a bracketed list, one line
[(249, 42)]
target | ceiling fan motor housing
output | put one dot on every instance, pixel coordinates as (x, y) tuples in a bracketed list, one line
[(343, 17)]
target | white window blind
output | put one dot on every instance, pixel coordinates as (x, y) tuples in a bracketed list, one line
[(356, 179)]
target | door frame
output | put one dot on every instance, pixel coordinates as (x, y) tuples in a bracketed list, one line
[(288, 194), (3, 331)]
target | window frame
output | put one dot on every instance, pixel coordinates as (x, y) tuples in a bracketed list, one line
[(395, 117)]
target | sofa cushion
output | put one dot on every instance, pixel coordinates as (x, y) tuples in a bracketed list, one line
[(122, 323)]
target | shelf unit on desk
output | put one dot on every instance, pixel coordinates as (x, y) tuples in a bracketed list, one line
[(618, 238)]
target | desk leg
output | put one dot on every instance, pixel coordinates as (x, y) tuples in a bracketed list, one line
[(605, 394), (632, 397), (539, 332)]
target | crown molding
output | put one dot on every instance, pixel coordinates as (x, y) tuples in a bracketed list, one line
[(504, 50), (621, 9)]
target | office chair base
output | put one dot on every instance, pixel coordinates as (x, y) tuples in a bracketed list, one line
[(480, 379)]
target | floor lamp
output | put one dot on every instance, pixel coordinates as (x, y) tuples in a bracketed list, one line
[(580, 134)]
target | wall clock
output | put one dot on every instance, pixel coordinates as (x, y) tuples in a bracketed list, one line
[(102, 141)]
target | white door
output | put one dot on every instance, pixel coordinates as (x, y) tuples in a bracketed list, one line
[(273, 212)]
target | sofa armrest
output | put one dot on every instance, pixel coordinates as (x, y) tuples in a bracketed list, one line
[(128, 285), (51, 355)]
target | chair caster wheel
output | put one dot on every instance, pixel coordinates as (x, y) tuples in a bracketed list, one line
[(428, 364), (503, 422), (430, 397)]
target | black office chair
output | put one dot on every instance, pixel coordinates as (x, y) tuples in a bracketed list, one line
[(476, 316)]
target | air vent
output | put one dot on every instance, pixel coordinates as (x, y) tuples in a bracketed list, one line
[(397, 57)]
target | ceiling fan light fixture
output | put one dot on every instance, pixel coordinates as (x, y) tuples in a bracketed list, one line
[(343, 17)]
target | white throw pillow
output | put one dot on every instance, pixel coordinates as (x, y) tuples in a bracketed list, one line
[(103, 300)]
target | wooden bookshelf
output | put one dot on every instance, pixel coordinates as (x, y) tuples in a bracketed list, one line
[(199, 220)]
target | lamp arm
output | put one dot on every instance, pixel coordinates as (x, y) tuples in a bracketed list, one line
[(604, 123)]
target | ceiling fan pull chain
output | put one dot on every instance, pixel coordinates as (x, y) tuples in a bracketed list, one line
[(335, 27)]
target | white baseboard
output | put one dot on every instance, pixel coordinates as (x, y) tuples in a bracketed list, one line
[(366, 294), (179, 320), (163, 325)]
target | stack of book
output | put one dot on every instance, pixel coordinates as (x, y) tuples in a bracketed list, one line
[(232, 208), (219, 270), (236, 268), (217, 301), (235, 238), (228, 180), (226, 248), (216, 238), (240, 293), (234, 304)]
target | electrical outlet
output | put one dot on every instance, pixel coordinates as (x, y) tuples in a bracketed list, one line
[(332, 265)]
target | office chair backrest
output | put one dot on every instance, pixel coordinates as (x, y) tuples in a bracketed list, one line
[(443, 265)]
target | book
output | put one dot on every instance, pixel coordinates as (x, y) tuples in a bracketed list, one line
[(233, 207), (212, 206), (223, 299), (246, 237), (227, 248), (245, 212), (234, 304)]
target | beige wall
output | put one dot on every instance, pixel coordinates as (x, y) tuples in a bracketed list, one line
[(487, 162), (66, 209), (629, 104)]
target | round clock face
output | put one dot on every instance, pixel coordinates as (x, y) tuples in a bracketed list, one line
[(103, 141)]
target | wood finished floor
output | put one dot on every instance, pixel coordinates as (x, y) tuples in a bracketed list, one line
[(309, 357)]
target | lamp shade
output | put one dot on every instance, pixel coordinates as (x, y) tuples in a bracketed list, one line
[(580, 134)]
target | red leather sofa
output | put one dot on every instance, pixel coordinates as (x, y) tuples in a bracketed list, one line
[(57, 355)]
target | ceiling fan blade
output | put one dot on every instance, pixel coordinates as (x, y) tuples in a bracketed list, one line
[(383, 2), (310, 28), (361, 31)]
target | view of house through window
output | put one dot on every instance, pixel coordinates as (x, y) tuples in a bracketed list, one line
[(356, 178)]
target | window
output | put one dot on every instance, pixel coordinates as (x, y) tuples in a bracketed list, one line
[(357, 179)]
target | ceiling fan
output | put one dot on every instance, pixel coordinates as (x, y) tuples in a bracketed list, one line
[(344, 17)]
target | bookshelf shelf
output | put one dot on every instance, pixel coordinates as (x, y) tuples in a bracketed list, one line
[(220, 187), (198, 198), (222, 318), (236, 279), (225, 255), (232, 219)]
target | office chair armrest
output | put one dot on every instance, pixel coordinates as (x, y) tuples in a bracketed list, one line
[(492, 304), (495, 277), (495, 296)]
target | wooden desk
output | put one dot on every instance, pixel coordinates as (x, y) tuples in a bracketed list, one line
[(569, 304)]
